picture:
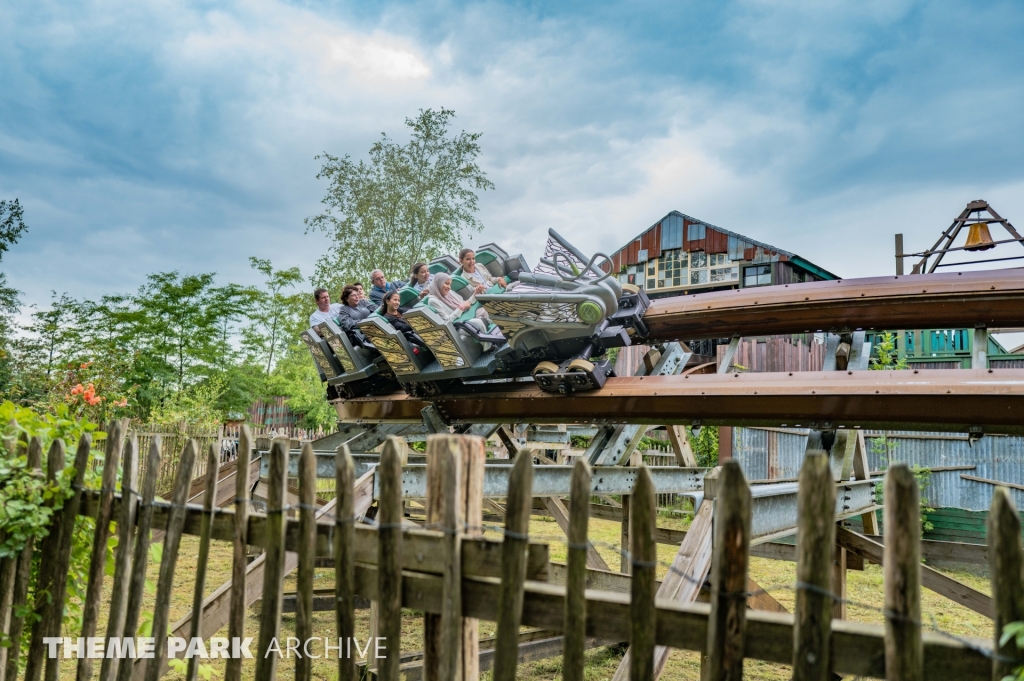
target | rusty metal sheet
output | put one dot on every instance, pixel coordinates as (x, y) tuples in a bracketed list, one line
[(950, 300), (987, 400)]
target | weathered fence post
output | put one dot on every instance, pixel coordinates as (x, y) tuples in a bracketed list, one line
[(902, 567), (344, 561), (729, 567), (839, 561), (1006, 568), (575, 634), (123, 553), (389, 558), (442, 633), (22, 576), (812, 630), (273, 571), (239, 558), (55, 614), (50, 548), (643, 561), (513, 566), (307, 561), (624, 543), (169, 561), (140, 562), (209, 508), (8, 566), (474, 458), (98, 562)]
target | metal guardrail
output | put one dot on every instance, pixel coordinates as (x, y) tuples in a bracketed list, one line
[(774, 509), (548, 481)]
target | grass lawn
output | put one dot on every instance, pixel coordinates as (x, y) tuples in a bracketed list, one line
[(864, 589)]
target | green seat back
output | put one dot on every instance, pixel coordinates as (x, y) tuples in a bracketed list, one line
[(407, 296), (485, 257), (437, 268), (459, 282), (471, 313)]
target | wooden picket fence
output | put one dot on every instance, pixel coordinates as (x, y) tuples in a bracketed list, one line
[(457, 577), (173, 439), (224, 439)]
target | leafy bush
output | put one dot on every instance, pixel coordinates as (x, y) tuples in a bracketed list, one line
[(887, 355), (885, 448), (28, 501), (1013, 630), (195, 405)]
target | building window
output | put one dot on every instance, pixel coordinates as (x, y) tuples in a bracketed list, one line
[(698, 268), (672, 268), (758, 275), (721, 274)]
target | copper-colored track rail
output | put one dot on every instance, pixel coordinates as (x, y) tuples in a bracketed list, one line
[(986, 400), (951, 300)]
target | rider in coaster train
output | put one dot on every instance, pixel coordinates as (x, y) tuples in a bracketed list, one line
[(325, 309), (477, 274)]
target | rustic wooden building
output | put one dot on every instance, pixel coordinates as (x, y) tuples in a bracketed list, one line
[(680, 254)]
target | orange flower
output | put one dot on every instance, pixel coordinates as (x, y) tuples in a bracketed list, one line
[(122, 403), (78, 389)]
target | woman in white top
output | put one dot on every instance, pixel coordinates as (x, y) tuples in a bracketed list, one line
[(420, 279), (477, 274)]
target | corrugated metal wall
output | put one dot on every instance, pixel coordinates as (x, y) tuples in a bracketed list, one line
[(772, 453)]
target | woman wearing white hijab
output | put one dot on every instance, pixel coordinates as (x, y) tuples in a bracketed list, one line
[(449, 305)]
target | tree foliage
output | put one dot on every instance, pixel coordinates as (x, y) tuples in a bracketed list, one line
[(182, 347), (12, 224), (185, 346), (272, 313), (409, 203)]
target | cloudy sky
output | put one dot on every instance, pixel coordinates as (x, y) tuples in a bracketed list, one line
[(147, 135)]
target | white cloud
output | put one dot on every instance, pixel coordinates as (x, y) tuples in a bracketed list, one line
[(185, 135)]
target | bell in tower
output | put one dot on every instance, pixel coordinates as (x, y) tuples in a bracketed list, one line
[(978, 238)]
